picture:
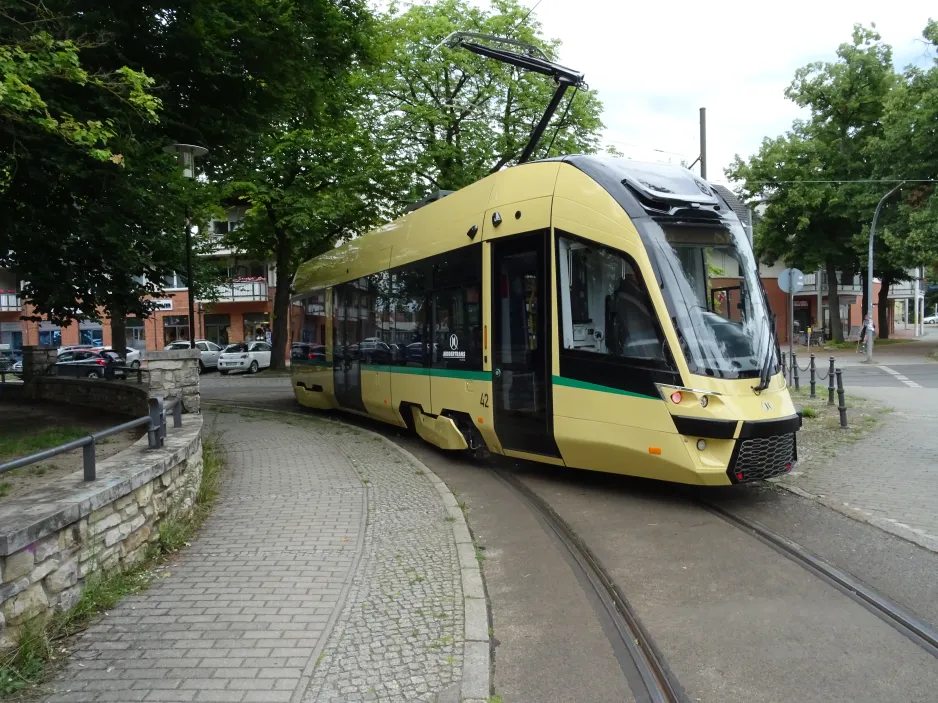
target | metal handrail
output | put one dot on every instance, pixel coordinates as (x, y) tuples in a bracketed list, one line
[(156, 435)]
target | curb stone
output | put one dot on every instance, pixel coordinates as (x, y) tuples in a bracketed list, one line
[(477, 663), (476, 648), (893, 527)]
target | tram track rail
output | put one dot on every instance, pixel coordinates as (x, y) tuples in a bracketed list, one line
[(889, 611), (659, 683)]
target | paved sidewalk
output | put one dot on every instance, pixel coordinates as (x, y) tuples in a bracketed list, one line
[(328, 572), (890, 477)]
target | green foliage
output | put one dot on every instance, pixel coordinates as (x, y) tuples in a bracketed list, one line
[(452, 117), (807, 222)]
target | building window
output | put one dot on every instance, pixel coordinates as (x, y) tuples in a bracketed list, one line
[(51, 338), (174, 280), (91, 334), (218, 329), (175, 328), (256, 326), (220, 227), (135, 333)]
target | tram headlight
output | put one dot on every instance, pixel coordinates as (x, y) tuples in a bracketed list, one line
[(704, 401), (701, 444), (676, 397)]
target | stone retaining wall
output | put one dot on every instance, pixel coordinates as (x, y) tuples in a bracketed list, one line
[(125, 398), (175, 373), (54, 539)]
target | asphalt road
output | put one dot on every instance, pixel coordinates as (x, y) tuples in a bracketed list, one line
[(736, 620)]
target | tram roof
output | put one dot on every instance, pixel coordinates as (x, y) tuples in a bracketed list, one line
[(424, 232)]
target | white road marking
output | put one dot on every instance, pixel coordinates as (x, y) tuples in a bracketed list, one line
[(899, 377)]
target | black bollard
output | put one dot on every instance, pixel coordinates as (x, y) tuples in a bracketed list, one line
[(830, 383), (840, 397), (785, 366), (813, 380), (794, 370)]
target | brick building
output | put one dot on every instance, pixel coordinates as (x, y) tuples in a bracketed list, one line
[(241, 310)]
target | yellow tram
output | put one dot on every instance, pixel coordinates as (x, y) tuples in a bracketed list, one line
[(586, 311)]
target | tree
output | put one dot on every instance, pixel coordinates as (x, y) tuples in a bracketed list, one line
[(315, 173), (452, 117), (86, 207), (814, 206)]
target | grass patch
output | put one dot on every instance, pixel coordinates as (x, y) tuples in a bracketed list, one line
[(494, 698), (450, 518), (23, 443), (5, 487), (35, 654), (840, 345), (821, 435)]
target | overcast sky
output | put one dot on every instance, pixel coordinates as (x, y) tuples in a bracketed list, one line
[(654, 64)]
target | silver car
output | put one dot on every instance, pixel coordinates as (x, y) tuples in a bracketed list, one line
[(208, 352)]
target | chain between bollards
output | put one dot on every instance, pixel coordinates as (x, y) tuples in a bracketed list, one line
[(813, 379), (830, 383), (840, 397), (794, 371)]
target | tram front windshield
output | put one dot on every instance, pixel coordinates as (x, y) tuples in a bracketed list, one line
[(714, 296)]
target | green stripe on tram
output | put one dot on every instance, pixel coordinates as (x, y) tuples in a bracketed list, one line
[(584, 386)]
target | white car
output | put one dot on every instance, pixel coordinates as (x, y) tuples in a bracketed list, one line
[(208, 352), (244, 356), (132, 356), (931, 320)]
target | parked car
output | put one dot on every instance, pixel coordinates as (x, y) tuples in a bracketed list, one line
[(244, 356), (931, 320), (132, 357), (6, 358), (208, 352), (305, 351), (86, 363), (72, 347)]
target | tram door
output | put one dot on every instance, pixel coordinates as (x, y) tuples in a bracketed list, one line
[(346, 345), (521, 344)]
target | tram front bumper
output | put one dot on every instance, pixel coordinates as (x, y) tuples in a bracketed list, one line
[(761, 449)]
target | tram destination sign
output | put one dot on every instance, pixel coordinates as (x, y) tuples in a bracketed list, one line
[(791, 281)]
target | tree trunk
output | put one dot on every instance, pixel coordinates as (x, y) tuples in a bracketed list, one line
[(281, 300), (119, 332), (833, 301), (883, 312)]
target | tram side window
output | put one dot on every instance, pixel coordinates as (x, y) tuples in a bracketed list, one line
[(309, 325), (375, 311), (409, 301), (457, 328), (604, 304)]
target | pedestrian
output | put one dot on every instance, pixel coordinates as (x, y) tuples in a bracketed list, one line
[(267, 334)]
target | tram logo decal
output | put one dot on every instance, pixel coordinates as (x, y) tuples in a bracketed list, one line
[(767, 405), (454, 352)]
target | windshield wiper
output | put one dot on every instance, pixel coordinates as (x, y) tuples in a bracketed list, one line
[(768, 361)]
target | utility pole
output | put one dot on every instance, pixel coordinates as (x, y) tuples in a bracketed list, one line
[(869, 276), (703, 143)]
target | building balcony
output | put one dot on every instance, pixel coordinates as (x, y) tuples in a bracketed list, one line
[(241, 291), (849, 286), (10, 302)]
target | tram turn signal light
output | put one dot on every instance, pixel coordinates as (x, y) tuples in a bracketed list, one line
[(676, 397), (654, 450), (739, 475)]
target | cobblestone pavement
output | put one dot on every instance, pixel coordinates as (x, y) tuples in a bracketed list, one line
[(890, 477), (256, 608)]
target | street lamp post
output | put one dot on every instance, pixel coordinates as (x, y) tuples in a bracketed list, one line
[(186, 155), (869, 276)]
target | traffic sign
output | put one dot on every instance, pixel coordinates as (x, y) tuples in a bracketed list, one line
[(791, 280)]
